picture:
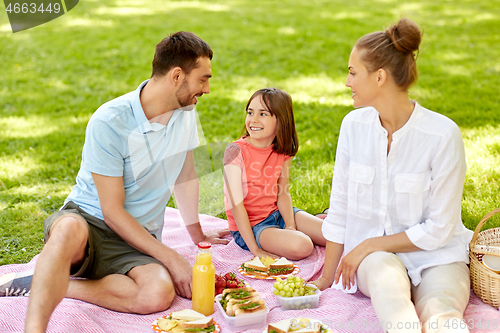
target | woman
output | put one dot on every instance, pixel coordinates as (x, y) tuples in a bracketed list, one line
[(395, 207)]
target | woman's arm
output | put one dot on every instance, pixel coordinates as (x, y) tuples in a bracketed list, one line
[(390, 243), (232, 177), (333, 253), (284, 199)]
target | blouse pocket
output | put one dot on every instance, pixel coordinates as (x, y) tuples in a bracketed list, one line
[(410, 190), (360, 192)]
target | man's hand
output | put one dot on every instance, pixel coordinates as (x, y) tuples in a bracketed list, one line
[(181, 273)]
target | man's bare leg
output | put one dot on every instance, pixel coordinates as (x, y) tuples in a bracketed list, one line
[(145, 289), (66, 246)]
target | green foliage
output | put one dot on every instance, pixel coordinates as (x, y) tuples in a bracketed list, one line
[(56, 75)]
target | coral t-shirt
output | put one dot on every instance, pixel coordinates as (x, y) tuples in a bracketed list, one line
[(260, 171)]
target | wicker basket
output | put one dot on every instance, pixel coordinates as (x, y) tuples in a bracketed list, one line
[(484, 282)]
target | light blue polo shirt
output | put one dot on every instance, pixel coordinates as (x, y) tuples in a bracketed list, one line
[(121, 142)]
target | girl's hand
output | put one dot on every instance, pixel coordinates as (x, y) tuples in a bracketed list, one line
[(263, 253), (322, 283), (349, 265), (291, 227)]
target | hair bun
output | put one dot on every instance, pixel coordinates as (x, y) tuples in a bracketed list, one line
[(405, 35)]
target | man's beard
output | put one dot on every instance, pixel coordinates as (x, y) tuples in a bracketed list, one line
[(183, 95)]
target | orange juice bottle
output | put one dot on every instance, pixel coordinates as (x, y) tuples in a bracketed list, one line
[(204, 280)]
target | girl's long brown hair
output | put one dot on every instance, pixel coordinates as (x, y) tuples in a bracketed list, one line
[(279, 104)]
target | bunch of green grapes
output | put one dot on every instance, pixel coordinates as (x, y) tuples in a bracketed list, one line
[(293, 286)]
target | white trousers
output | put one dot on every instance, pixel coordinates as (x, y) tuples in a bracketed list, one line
[(439, 300)]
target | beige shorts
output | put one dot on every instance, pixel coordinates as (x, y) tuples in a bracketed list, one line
[(106, 252)]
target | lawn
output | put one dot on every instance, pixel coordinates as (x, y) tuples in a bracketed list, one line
[(56, 75)]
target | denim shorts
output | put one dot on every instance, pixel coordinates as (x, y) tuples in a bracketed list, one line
[(275, 220)]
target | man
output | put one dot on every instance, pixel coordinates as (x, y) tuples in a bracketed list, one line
[(137, 148)]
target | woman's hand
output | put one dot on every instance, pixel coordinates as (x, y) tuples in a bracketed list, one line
[(349, 265), (322, 283)]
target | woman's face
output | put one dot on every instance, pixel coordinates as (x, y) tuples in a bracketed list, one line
[(363, 84)]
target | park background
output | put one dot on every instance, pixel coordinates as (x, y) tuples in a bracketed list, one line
[(54, 76)]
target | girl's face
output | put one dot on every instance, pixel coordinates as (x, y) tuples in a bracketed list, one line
[(363, 84), (260, 124)]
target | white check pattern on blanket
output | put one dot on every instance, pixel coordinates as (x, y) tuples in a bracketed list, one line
[(344, 312)]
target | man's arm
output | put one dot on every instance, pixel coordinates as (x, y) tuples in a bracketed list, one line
[(112, 198), (186, 192)]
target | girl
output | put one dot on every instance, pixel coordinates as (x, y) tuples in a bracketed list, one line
[(397, 189), (256, 169)]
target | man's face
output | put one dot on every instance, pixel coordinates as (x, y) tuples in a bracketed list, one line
[(195, 84)]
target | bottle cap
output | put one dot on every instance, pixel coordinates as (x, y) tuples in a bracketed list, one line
[(204, 245)]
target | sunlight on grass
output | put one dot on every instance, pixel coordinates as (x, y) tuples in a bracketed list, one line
[(305, 89), (43, 190), (126, 11), (127, 8), (317, 88), (87, 22), (482, 183), (16, 168), (21, 127), (5, 28), (343, 15)]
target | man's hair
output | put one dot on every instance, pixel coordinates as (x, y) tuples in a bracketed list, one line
[(181, 49), (279, 104)]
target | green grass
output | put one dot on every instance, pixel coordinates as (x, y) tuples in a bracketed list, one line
[(56, 75)]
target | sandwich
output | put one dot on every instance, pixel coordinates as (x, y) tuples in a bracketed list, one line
[(202, 325), (185, 321), (281, 267), (255, 267), (239, 301), (186, 315), (279, 327)]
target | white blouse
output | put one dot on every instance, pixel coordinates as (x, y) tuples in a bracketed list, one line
[(416, 188)]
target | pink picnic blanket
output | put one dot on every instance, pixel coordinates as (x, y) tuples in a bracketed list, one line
[(342, 312)]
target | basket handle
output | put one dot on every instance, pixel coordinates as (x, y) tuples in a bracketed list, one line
[(472, 243)]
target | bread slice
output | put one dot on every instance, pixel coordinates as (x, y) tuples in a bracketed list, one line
[(279, 327), (187, 314), (200, 323), (254, 305), (281, 266), (234, 301), (230, 290), (256, 264), (281, 263), (260, 308)]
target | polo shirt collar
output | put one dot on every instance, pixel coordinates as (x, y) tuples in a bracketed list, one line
[(140, 117)]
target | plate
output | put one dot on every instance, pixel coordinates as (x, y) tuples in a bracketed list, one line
[(159, 330), (271, 277), (312, 321)]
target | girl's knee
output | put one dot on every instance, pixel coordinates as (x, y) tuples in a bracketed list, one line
[(301, 248)]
